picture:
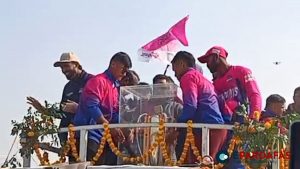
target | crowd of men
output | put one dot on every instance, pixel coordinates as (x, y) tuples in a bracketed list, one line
[(93, 99)]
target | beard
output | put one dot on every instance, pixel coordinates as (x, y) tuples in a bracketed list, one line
[(213, 68), (70, 76)]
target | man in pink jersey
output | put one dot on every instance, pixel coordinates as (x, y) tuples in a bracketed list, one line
[(99, 103), (200, 103), (234, 85)]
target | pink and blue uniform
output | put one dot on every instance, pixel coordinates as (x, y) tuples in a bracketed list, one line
[(200, 102), (99, 98), (236, 87)]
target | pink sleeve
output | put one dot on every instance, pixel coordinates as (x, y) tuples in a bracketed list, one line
[(189, 90), (252, 90), (190, 95), (93, 89)]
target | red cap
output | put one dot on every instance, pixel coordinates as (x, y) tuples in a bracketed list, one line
[(213, 50)]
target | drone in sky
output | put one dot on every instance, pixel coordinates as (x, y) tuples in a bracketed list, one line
[(277, 63)]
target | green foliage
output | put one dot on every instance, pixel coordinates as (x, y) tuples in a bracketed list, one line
[(35, 126), (262, 136), (289, 118)]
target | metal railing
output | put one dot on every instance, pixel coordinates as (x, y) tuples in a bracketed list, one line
[(205, 135)]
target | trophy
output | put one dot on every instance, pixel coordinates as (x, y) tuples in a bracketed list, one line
[(147, 104)]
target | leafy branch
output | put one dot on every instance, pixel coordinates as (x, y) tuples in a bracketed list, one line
[(35, 126), (262, 136)]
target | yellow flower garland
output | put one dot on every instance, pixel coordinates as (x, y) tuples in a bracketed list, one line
[(38, 154), (72, 142), (63, 155), (44, 160), (159, 141)]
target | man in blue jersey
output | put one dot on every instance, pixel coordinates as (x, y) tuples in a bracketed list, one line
[(99, 104), (200, 103)]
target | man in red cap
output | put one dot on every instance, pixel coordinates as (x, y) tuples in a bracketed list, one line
[(234, 85)]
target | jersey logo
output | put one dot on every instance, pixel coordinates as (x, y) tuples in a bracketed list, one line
[(248, 78), (229, 94), (69, 94), (229, 78)]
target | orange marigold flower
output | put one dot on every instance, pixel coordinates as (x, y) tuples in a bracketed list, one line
[(251, 130), (267, 125), (257, 115), (30, 134)]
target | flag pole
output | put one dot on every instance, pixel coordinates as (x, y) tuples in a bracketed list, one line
[(166, 69)]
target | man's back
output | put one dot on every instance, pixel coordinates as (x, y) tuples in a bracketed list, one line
[(199, 94)]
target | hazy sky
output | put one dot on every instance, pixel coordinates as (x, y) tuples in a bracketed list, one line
[(256, 33)]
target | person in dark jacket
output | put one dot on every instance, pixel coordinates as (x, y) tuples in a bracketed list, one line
[(72, 69)]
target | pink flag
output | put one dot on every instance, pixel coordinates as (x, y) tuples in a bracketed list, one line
[(165, 46)]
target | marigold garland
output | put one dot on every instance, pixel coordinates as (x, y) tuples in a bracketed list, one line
[(72, 142), (44, 160), (63, 154), (39, 155), (159, 141)]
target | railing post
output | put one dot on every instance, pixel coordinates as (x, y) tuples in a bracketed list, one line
[(205, 141), (83, 145), (276, 161), (26, 156), (26, 160)]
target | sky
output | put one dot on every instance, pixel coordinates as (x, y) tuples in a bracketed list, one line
[(34, 33)]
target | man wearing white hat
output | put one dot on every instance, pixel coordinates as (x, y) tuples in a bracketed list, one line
[(71, 68)]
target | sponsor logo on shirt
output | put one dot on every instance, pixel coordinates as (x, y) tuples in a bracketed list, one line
[(229, 94), (248, 78), (229, 78)]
